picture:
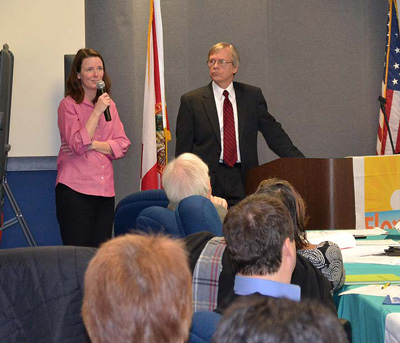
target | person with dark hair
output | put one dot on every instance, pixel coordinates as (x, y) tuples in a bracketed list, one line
[(85, 194), (260, 243), (258, 319), (326, 256), (214, 274), (220, 123), (138, 289), (259, 237)]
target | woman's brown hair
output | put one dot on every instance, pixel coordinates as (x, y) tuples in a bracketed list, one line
[(294, 203)]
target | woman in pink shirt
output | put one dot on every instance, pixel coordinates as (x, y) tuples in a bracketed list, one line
[(85, 180)]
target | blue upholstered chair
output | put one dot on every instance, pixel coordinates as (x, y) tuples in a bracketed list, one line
[(193, 214), (41, 292), (157, 219), (197, 213), (204, 324), (147, 211), (129, 208)]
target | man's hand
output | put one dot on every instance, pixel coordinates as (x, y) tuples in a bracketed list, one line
[(219, 201)]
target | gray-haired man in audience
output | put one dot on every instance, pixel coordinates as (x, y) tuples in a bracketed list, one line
[(188, 175)]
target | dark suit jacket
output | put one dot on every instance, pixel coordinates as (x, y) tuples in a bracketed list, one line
[(198, 131)]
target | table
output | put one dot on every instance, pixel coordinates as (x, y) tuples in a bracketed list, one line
[(392, 328), (367, 314)]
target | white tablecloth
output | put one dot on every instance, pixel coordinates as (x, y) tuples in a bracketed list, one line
[(392, 328)]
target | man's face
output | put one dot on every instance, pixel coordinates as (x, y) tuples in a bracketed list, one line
[(222, 75)]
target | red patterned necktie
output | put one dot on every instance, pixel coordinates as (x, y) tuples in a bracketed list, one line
[(230, 152)]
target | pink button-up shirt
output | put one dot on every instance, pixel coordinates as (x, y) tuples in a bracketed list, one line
[(88, 171)]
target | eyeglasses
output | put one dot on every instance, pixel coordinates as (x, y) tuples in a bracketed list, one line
[(221, 63)]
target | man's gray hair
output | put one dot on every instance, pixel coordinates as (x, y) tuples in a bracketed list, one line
[(184, 176), (223, 45)]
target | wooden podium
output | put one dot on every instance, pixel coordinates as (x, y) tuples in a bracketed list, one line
[(326, 185)]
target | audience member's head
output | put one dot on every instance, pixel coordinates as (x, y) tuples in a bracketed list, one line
[(259, 236), (138, 289), (184, 176), (259, 319), (294, 203)]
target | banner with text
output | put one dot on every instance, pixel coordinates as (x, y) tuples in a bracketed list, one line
[(377, 191)]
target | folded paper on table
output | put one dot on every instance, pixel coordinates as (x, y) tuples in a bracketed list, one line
[(391, 300), (371, 278)]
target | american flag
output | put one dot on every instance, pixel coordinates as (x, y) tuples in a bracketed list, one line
[(391, 86), (155, 133)]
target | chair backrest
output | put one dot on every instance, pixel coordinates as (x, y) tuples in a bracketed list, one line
[(128, 208), (193, 214), (156, 219), (204, 324), (41, 292), (197, 213)]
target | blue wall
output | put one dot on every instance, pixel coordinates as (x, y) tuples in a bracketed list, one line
[(35, 196)]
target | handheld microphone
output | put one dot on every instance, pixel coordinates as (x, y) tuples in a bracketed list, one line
[(101, 86)]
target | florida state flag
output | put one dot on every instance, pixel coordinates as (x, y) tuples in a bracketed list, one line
[(155, 134)]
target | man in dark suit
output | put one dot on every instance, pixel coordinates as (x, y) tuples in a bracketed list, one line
[(205, 118)]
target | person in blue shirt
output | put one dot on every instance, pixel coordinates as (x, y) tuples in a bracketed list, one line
[(260, 243), (326, 256), (259, 234)]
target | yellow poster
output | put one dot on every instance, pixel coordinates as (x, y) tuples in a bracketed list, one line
[(381, 191)]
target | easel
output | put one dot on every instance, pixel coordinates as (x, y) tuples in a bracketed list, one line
[(6, 76), (18, 215)]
